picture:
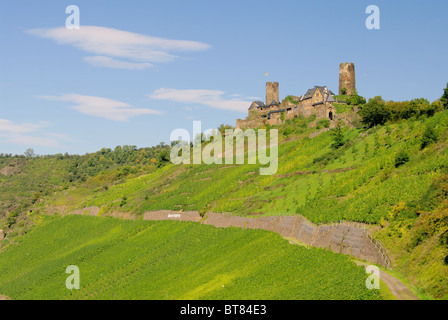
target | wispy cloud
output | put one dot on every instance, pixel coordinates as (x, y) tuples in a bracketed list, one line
[(102, 107), (27, 134), (102, 61), (140, 51), (209, 98), (20, 128)]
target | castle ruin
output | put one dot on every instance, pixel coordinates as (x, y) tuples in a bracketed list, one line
[(272, 92), (347, 78), (317, 100)]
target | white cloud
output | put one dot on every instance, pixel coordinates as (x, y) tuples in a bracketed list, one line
[(27, 134), (107, 43), (210, 98), (255, 98), (19, 128), (102, 61), (103, 107)]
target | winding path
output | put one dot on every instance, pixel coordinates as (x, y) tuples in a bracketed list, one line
[(396, 287)]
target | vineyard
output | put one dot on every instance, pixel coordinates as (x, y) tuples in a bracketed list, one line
[(391, 177), (358, 182), (121, 259)]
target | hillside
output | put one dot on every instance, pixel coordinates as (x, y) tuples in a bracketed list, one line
[(389, 176), (121, 259)]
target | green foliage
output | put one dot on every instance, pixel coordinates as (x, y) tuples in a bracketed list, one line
[(444, 98), (342, 107), (160, 260), (401, 158), (429, 136), (34, 177), (356, 182), (338, 137), (291, 99), (282, 116), (223, 127), (356, 100), (288, 130), (163, 158), (123, 201), (374, 112), (344, 91), (324, 123), (29, 153), (364, 168)]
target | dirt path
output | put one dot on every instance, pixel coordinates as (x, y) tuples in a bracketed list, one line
[(396, 287)]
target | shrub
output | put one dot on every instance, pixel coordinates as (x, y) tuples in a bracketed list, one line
[(429, 137), (324, 123), (288, 130), (374, 112), (444, 98), (355, 99), (123, 201), (401, 158), (338, 137)]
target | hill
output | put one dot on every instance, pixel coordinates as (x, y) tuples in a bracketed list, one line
[(392, 176), (121, 259)]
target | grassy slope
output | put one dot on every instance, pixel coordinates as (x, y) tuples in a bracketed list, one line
[(359, 182), (121, 259)]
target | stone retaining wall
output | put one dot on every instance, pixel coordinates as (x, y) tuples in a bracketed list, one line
[(345, 238)]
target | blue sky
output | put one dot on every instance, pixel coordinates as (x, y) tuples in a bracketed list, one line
[(136, 70)]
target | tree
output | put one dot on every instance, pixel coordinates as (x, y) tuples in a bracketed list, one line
[(374, 112), (429, 136), (401, 158), (444, 98), (163, 157), (344, 91), (338, 137), (29, 153), (222, 128), (355, 99)]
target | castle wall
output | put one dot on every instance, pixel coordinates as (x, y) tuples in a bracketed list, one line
[(275, 119), (250, 123), (321, 111)]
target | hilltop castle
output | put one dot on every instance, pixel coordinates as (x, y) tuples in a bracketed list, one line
[(318, 100)]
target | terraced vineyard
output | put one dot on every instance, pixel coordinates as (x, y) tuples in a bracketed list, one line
[(121, 259), (387, 176), (358, 182)]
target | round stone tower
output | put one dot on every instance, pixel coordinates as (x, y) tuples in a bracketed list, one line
[(347, 77)]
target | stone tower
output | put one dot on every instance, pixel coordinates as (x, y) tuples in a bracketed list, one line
[(272, 92), (347, 77)]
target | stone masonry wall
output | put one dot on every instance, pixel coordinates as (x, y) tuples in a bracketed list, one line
[(346, 238)]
